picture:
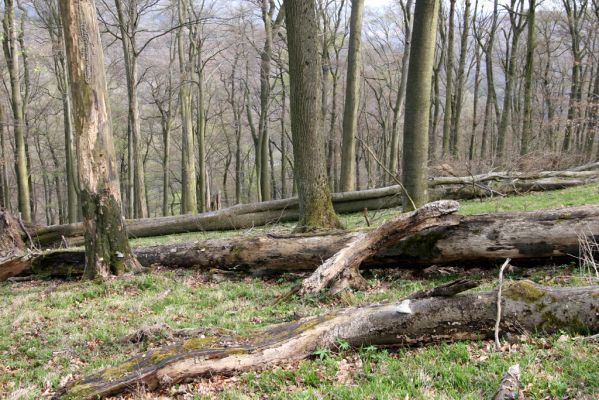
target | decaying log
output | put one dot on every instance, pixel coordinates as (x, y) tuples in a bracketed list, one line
[(259, 214), (525, 237), (509, 389), (526, 306), (15, 258), (341, 271)]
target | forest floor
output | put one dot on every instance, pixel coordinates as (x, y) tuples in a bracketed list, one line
[(52, 331)]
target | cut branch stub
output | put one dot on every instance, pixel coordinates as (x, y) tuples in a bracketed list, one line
[(411, 322), (341, 271)]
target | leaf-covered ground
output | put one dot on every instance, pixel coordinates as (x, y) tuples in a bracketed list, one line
[(52, 331)]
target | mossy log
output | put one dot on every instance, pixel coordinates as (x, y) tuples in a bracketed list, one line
[(269, 212), (525, 237), (410, 322)]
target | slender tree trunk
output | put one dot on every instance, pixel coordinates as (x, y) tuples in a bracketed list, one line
[(189, 201), (401, 92), (265, 67), (4, 191), (11, 54), (106, 245), (203, 200), (517, 26), (416, 123), (461, 80), (528, 80), (352, 99), (316, 207), (448, 112)]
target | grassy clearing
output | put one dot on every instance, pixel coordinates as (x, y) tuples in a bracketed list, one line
[(52, 330)]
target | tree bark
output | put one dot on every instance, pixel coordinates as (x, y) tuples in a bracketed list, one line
[(410, 322), (347, 182), (315, 205), (418, 95), (528, 80), (11, 54), (189, 201), (107, 248)]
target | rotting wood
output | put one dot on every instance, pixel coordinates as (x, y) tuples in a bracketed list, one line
[(543, 236), (527, 307), (341, 271), (258, 214)]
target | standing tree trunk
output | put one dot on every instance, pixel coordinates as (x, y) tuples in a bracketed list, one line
[(316, 207), (352, 99), (107, 248), (459, 98), (449, 80), (401, 93), (418, 102), (189, 201), (11, 53), (517, 22), (4, 193), (528, 95)]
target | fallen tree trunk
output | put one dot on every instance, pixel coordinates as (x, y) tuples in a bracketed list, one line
[(413, 322), (259, 214), (525, 237), (341, 271)]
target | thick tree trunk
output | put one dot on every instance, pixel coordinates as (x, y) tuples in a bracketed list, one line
[(315, 205), (106, 245), (420, 321), (418, 95), (482, 240)]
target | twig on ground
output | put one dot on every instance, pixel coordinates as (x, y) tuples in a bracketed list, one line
[(498, 319)]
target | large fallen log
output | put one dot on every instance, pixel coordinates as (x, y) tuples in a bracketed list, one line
[(259, 214), (525, 237), (526, 307)]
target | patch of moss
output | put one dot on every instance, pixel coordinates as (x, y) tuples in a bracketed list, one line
[(118, 371), (198, 343), (552, 322), (160, 355), (80, 391), (235, 351), (525, 291)]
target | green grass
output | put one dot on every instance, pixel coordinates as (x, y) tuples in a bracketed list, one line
[(52, 330)]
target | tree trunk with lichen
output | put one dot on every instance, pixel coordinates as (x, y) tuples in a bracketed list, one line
[(107, 248), (417, 320), (315, 205)]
